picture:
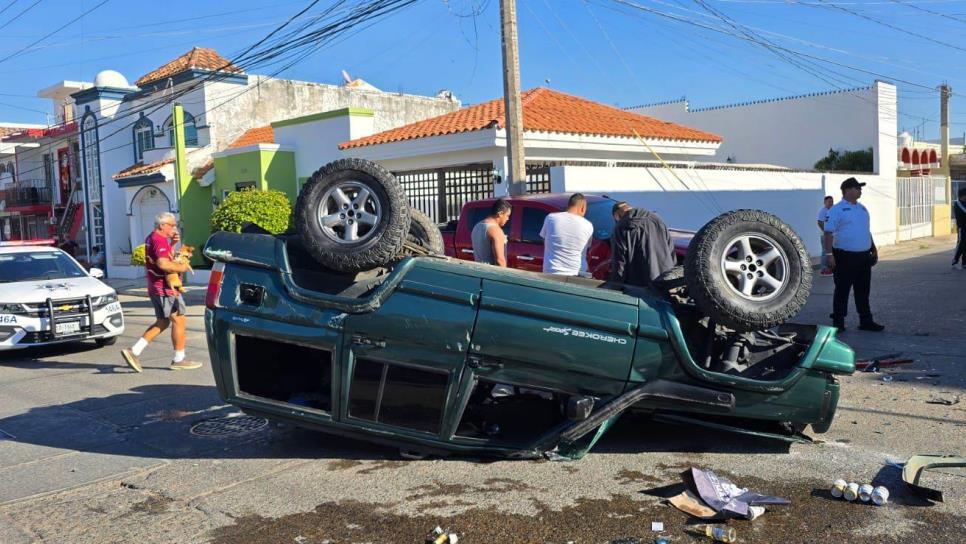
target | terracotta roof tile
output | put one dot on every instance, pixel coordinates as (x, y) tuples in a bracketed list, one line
[(141, 169), (199, 172), (199, 58), (252, 136), (7, 131), (544, 110)]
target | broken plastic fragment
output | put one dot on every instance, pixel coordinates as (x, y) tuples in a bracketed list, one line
[(917, 464)]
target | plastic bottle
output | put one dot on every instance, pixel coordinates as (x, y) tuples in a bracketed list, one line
[(720, 534)]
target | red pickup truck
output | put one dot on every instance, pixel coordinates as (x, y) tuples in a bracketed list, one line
[(525, 246)]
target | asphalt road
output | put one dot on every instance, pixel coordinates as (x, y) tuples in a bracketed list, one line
[(92, 452)]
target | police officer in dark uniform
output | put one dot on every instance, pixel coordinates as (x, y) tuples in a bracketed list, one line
[(854, 254)]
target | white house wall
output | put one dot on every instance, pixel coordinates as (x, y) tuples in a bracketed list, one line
[(700, 195), (795, 132), (267, 100), (316, 143)]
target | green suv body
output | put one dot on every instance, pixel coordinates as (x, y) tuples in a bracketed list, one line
[(438, 355)]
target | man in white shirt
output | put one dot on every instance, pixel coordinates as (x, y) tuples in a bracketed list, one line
[(821, 219), (853, 255), (566, 236)]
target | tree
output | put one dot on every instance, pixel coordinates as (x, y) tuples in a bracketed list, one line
[(846, 161), (270, 210)]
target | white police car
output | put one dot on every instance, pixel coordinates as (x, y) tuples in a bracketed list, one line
[(46, 297)]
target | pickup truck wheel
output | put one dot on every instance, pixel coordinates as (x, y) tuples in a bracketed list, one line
[(352, 215), (424, 233), (748, 270)]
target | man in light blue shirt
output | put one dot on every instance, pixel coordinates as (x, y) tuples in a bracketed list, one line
[(848, 233)]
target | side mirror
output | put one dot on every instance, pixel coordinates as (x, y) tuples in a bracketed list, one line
[(96, 273)]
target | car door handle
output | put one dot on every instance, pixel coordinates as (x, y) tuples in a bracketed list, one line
[(464, 250), (363, 341), (526, 258), (479, 363)]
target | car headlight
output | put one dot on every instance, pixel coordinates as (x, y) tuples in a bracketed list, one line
[(16, 309), (100, 302)]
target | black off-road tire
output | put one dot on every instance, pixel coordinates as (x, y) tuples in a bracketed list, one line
[(424, 233), (384, 241), (719, 298), (672, 279)]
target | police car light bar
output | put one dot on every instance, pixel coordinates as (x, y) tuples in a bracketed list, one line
[(42, 242)]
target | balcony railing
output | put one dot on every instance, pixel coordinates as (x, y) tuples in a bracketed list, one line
[(25, 196)]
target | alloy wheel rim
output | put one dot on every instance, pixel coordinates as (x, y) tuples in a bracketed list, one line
[(755, 267), (349, 213)]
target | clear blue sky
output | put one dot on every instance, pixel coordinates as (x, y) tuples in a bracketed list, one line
[(600, 49)]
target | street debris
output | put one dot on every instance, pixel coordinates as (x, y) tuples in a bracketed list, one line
[(838, 488), (657, 526), (887, 378), (945, 401), (688, 503), (440, 536), (851, 491), (719, 534), (710, 497), (883, 361), (880, 496), (914, 467), (661, 540)]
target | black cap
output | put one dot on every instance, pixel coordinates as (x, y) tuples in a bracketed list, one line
[(851, 183)]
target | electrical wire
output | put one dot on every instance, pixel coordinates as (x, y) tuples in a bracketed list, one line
[(19, 15), (861, 15), (291, 48), (10, 5), (51, 33)]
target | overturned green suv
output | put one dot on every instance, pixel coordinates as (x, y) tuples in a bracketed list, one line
[(360, 329)]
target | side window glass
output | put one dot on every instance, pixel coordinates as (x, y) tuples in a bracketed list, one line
[(532, 223), (476, 215), (398, 395)]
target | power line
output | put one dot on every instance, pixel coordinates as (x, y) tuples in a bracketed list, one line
[(10, 5), (55, 31), (929, 11), (279, 50), (17, 16), (691, 22), (861, 15)]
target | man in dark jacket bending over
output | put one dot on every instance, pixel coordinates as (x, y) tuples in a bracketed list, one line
[(641, 247)]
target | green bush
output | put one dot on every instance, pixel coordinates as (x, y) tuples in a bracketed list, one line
[(270, 210), (137, 256), (846, 161)]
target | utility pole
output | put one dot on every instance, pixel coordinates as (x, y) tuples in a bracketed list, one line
[(945, 92), (517, 170)]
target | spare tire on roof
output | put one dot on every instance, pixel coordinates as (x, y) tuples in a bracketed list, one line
[(352, 215), (424, 233), (748, 270)]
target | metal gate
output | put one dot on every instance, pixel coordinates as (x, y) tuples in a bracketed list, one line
[(440, 193), (916, 197)]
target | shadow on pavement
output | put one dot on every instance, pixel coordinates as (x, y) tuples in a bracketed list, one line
[(184, 421)]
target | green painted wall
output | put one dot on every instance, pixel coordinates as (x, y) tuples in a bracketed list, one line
[(196, 218), (267, 169)]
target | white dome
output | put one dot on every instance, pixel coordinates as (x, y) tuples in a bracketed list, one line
[(905, 140), (110, 78)]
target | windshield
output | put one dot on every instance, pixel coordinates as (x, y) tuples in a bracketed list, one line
[(40, 265), (599, 215)]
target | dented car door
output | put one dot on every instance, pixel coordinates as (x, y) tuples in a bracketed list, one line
[(540, 347)]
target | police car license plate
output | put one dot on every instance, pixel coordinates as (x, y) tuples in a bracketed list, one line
[(68, 327)]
